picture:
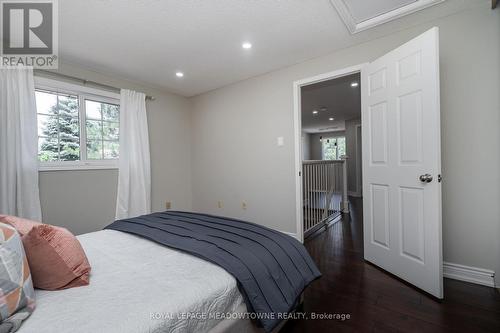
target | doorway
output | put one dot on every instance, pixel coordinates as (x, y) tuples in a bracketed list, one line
[(315, 118), (330, 120), (401, 161)]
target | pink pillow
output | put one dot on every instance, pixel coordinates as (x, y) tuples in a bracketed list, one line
[(56, 258), (23, 226)]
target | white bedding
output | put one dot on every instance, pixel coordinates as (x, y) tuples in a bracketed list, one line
[(133, 279)]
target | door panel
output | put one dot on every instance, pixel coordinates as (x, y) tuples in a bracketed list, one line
[(380, 215), (410, 128), (412, 223), (378, 130), (401, 142), (376, 81)]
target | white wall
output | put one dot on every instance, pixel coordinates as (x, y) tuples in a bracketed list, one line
[(352, 160), (306, 146), (235, 157), (316, 151), (84, 201)]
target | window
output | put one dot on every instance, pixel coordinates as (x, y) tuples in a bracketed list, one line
[(77, 127), (333, 148), (102, 129), (58, 127)]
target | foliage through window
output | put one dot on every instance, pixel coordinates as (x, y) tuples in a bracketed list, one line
[(58, 127), (102, 127), (333, 148), (75, 127)]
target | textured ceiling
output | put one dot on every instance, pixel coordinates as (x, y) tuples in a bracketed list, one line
[(149, 40), (339, 100)]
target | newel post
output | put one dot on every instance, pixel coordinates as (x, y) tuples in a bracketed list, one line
[(345, 200)]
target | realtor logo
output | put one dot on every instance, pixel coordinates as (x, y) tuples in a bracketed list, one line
[(29, 33)]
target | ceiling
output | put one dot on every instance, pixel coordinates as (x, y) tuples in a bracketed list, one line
[(148, 41), (332, 99)]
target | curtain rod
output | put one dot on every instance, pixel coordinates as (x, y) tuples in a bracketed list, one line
[(83, 81)]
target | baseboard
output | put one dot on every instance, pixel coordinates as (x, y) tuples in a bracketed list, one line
[(476, 275), (294, 235)]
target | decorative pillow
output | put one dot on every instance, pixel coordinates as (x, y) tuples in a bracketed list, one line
[(23, 226), (17, 296), (56, 258)]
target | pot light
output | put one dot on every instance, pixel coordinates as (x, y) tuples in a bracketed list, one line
[(354, 84), (179, 74), (331, 119), (246, 45), (315, 111)]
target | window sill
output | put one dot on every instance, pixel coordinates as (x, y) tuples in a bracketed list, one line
[(76, 166)]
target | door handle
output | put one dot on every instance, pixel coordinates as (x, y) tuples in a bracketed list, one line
[(425, 178)]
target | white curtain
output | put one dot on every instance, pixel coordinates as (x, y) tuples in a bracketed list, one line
[(134, 180), (19, 194)]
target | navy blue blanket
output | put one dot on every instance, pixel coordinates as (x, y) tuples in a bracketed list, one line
[(272, 269)]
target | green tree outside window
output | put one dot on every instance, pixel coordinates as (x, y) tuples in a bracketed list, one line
[(59, 137), (58, 128)]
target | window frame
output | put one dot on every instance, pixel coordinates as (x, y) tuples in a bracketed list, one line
[(336, 147), (83, 93)]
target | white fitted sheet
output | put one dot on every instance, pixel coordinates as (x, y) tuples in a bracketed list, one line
[(131, 279)]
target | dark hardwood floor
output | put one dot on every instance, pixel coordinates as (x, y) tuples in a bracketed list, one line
[(377, 301)]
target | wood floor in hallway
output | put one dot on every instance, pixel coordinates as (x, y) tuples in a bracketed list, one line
[(379, 302)]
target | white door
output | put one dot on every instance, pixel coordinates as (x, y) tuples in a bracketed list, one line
[(402, 163)]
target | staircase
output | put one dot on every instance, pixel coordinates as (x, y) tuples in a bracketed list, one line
[(324, 192)]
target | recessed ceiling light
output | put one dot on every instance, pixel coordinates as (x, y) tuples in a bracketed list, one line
[(179, 74), (331, 119), (246, 45), (315, 111), (354, 84)]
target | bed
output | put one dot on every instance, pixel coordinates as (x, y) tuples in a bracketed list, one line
[(126, 271), (138, 286)]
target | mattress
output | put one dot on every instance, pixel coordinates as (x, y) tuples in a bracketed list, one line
[(272, 269), (137, 286)]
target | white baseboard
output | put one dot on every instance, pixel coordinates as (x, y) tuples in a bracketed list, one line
[(476, 275), (294, 235)]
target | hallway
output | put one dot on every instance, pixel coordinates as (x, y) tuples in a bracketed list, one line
[(378, 302)]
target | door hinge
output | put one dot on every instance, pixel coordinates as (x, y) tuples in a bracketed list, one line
[(300, 173), (440, 178)]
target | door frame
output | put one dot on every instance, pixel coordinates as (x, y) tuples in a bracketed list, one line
[(297, 125), (359, 164)]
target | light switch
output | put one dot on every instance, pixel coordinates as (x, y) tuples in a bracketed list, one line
[(281, 141)]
